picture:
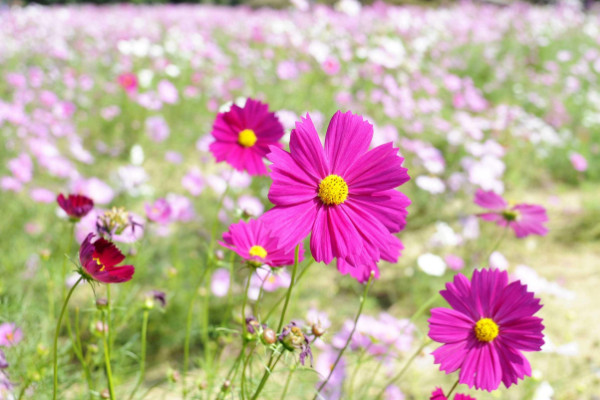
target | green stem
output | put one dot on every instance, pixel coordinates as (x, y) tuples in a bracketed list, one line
[(205, 304), (105, 339), (339, 356), (404, 369), (358, 365), (289, 292), (143, 354), (287, 383), (452, 389), (282, 298), (498, 242), (79, 351), (23, 389), (244, 302), (265, 378), (60, 317)]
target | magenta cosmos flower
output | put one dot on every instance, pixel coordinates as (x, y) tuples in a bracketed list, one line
[(254, 242), (75, 205), (438, 394), (524, 219), (491, 322), (243, 136), (344, 194), (100, 259)]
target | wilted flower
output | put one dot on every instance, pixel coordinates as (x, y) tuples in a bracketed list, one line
[(156, 296), (99, 261), (115, 221), (292, 338), (75, 205)]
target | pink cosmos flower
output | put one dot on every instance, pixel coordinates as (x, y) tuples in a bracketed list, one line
[(331, 66), (524, 219), (438, 394), (255, 242), (243, 136), (167, 92), (159, 212), (269, 279), (128, 81), (579, 162), (157, 128), (344, 194), (219, 282), (10, 334), (489, 326)]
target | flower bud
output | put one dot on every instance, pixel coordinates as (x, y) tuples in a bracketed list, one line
[(173, 375), (269, 336), (105, 394), (226, 386), (293, 338), (317, 330), (101, 303)]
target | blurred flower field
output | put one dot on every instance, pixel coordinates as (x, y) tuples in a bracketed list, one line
[(162, 183)]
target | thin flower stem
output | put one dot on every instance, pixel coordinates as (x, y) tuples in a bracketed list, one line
[(289, 292), (287, 383), (23, 389), (341, 353), (244, 302), (79, 351), (358, 365), (500, 239), (282, 298), (205, 304), (404, 369), (60, 317), (452, 389), (105, 339), (143, 353), (268, 372), (63, 276), (108, 315)]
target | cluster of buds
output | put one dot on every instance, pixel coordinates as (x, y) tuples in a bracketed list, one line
[(292, 338), (115, 221)]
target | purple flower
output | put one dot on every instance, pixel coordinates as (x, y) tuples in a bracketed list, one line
[(157, 128), (193, 182), (324, 364), (220, 281), (167, 92), (579, 162), (159, 212), (524, 219), (10, 334), (489, 326)]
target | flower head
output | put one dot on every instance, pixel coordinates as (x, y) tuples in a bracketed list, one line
[(10, 334), (343, 193), (159, 212), (128, 81), (255, 242), (524, 219), (100, 259), (243, 136), (75, 205), (489, 326), (438, 394), (292, 338), (3, 362)]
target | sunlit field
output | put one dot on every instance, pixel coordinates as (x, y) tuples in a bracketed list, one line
[(275, 248)]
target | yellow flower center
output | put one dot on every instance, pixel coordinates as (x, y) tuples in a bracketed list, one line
[(486, 330), (333, 190), (258, 251), (247, 138), (10, 336)]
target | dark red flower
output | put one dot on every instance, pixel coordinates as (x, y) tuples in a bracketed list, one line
[(99, 261), (76, 205)]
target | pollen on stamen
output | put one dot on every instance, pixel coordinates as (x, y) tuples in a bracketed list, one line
[(247, 138), (333, 190), (486, 330), (258, 251)]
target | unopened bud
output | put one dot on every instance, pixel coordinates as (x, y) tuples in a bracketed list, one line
[(317, 330), (105, 394), (269, 336), (173, 375), (101, 303), (226, 386)]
